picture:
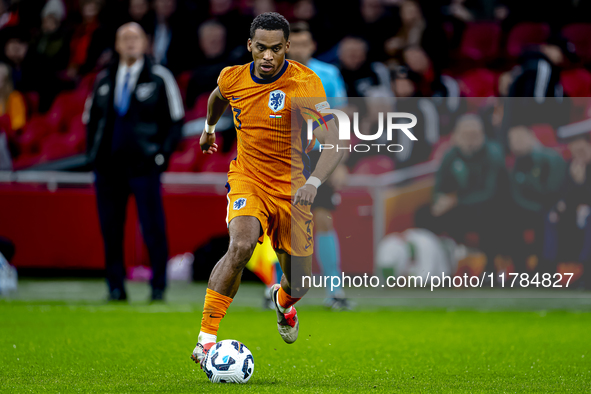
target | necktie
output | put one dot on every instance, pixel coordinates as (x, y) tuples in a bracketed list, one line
[(123, 104)]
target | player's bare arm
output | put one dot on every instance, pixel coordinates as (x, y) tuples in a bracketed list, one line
[(216, 105), (329, 160)]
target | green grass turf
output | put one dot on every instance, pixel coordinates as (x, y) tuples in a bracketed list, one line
[(88, 346)]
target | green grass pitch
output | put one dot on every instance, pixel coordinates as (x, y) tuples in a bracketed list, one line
[(89, 346)]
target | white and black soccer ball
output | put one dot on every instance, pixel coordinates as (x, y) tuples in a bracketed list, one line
[(228, 361)]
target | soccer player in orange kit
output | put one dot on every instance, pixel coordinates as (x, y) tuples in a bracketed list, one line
[(270, 188)]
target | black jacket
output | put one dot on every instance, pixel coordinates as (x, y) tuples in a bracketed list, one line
[(154, 120), (539, 77)]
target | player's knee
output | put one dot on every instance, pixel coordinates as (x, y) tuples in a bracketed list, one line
[(241, 250)]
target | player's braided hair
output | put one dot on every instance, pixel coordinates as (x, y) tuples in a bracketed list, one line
[(270, 21)]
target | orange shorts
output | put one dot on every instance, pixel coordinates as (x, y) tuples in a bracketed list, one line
[(289, 227)]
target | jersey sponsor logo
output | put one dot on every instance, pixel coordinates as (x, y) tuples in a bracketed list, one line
[(239, 204), (322, 105), (276, 100), (145, 90)]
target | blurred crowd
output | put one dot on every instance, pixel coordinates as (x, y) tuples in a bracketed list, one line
[(528, 207), (402, 48), (51, 50)]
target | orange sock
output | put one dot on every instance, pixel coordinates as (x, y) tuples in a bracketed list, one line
[(285, 300), (214, 310)]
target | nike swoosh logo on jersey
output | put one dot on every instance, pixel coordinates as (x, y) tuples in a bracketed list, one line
[(234, 98), (215, 317)]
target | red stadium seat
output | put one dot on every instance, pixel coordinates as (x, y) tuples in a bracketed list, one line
[(580, 35), (58, 146), (576, 82), (26, 160), (6, 126), (525, 34), (32, 102), (218, 163), (199, 110), (188, 157), (183, 82), (65, 107), (35, 130), (374, 165), (183, 161), (479, 82), (545, 134), (480, 41)]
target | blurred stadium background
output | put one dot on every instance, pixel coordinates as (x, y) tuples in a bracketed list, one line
[(52, 51)]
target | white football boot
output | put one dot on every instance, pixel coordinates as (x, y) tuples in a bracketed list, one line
[(288, 324)]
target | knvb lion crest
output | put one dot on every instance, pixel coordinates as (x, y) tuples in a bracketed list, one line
[(239, 204), (276, 100)]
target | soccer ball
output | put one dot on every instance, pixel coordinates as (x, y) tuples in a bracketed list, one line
[(228, 361)]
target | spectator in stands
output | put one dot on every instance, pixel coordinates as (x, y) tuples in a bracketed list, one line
[(134, 118), (537, 76), (415, 31), (51, 52), (9, 15), (458, 13), (163, 31), (374, 24), (82, 35), (569, 222), (170, 37), (301, 50), (139, 12), (468, 189), (362, 77), (234, 22), (328, 30), (306, 11), (404, 86), (538, 73), (212, 58), (535, 182), (17, 56), (12, 102), (469, 11), (262, 6), (430, 83)]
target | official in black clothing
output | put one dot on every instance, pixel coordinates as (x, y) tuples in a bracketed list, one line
[(134, 118)]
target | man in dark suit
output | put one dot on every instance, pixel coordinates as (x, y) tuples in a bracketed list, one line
[(134, 118)]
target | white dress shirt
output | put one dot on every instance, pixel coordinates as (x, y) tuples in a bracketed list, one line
[(134, 72)]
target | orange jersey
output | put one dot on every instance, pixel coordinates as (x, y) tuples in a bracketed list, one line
[(271, 134)]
